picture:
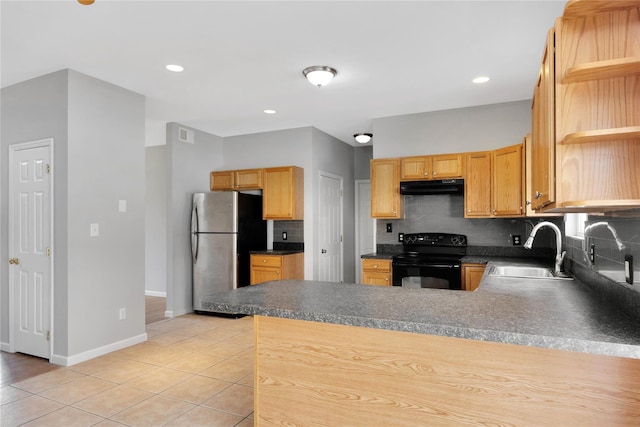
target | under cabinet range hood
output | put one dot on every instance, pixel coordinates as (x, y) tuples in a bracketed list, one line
[(437, 186)]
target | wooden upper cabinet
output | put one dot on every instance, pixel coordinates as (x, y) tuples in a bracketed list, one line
[(283, 193), (543, 142), (445, 166), (386, 201), (477, 191), (221, 180), (508, 181), (441, 166), (597, 105), (494, 183), (415, 168), (246, 179)]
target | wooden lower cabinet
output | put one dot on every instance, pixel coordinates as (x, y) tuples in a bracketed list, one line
[(310, 373), (471, 276), (377, 272), (265, 268)]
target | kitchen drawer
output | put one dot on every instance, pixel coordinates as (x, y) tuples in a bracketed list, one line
[(266, 260), (382, 265)]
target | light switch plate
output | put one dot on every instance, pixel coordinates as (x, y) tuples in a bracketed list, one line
[(94, 230), (122, 205)]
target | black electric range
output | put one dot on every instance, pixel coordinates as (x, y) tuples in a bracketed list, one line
[(430, 260)]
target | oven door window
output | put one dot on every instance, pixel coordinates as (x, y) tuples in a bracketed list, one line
[(433, 277)]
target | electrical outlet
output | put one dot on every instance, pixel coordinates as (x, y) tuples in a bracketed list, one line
[(400, 237), (123, 313), (389, 227), (284, 235), (592, 254), (516, 240), (628, 269)]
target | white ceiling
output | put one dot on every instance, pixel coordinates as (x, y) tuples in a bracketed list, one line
[(241, 57)]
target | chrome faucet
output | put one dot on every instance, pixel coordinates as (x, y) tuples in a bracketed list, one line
[(559, 252), (587, 237)]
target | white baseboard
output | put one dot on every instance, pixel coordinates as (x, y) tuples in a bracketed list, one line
[(155, 294), (4, 346), (169, 314), (100, 351)]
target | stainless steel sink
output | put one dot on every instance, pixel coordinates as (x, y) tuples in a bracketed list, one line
[(525, 272)]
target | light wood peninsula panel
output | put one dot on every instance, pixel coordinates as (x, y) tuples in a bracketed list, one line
[(309, 373)]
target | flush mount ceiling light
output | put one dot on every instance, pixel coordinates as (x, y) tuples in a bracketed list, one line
[(363, 138), (175, 68), (86, 2), (481, 79), (319, 75), (269, 111)]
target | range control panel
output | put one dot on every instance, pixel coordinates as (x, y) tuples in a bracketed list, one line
[(435, 239)]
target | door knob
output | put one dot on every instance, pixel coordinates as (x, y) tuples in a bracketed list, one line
[(15, 261), (324, 251)]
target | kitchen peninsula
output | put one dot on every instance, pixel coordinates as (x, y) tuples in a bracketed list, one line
[(514, 352)]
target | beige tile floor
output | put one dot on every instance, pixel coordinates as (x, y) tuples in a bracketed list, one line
[(193, 371)]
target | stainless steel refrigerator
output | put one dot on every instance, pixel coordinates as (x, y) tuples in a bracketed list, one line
[(225, 227)]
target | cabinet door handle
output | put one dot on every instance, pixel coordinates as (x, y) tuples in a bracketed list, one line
[(539, 194), (264, 260), (324, 251)]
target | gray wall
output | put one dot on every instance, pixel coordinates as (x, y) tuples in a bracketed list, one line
[(362, 162), (34, 110), (452, 131), (334, 156), (291, 147), (98, 132), (105, 164), (315, 151), (156, 221), (188, 167)]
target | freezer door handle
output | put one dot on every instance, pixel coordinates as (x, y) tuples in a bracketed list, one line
[(194, 234)]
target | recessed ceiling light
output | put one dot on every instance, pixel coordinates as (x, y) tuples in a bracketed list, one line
[(175, 68), (269, 111), (481, 79)]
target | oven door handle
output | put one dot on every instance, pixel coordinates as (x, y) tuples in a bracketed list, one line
[(427, 266)]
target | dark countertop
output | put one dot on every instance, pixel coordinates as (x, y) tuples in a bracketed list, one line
[(377, 255), (276, 252), (557, 314)]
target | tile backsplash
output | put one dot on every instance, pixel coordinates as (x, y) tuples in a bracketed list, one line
[(294, 230), (609, 256), (445, 213)]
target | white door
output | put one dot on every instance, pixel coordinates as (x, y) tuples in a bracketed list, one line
[(365, 225), (330, 228), (30, 272)]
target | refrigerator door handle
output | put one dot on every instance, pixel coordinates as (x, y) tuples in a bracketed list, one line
[(194, 234)]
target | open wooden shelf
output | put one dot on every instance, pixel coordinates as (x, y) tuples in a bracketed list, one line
[(602, 135), (610, 68), (578, 8)]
